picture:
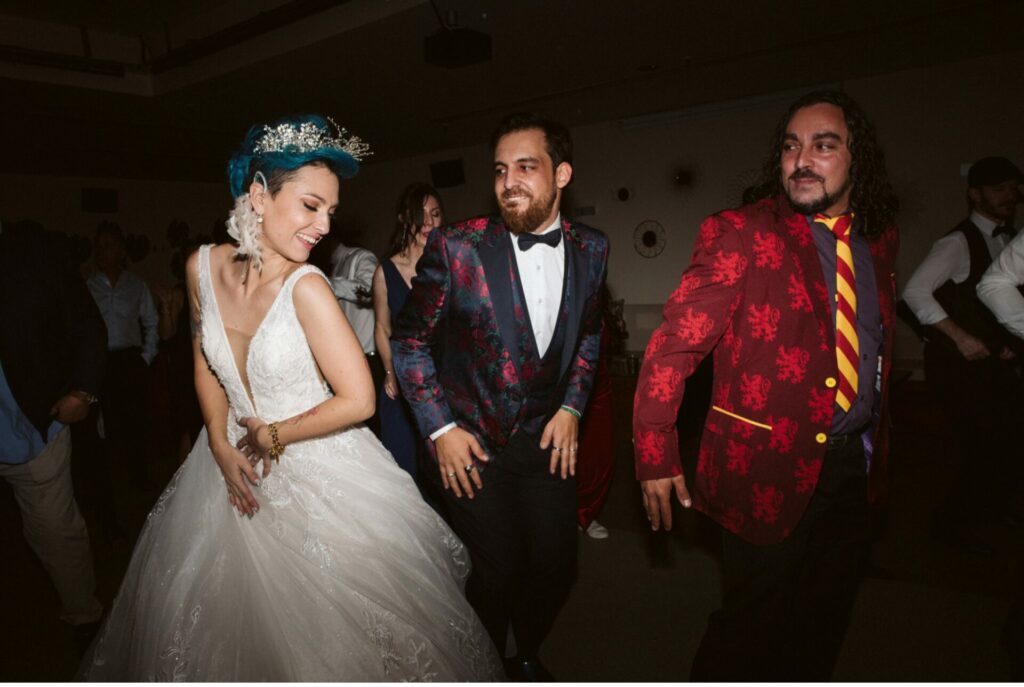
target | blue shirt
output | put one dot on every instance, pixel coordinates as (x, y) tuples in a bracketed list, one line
[(19, 440), (869, 322), (125, 306)]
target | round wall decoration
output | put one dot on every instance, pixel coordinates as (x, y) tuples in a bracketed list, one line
[(649, 238)]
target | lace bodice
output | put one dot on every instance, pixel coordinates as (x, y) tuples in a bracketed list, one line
[(280, 368)]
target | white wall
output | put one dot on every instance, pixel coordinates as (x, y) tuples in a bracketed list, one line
[(930, 122)]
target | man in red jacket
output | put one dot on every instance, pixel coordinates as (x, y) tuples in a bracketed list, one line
[(793, 295)]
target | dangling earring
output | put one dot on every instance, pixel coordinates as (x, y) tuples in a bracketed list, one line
[(258, 178)]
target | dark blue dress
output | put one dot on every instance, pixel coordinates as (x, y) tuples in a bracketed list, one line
[(397, 428)]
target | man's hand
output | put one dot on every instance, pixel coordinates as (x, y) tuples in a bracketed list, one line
[(455, 450), (560, 434), (972, 347), (658, 499), (70, 408)]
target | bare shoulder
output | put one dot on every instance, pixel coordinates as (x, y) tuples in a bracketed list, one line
[(192, 266), (192, 270), (220, 255), (312, 289)]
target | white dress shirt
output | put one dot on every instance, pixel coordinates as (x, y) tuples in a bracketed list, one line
[(949, 258), (351, 280), (541, 273), (998, 286), (124, 307)]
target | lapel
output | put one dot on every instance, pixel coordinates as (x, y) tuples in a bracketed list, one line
[(495, 251), (805, 252), (573, 292)]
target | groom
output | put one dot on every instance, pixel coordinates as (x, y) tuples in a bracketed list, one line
[(495, 351)]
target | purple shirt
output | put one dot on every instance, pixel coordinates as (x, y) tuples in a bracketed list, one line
[(869, 322)]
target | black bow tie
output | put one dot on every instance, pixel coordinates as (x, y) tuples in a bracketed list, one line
[(1005, 230), (528, 241)]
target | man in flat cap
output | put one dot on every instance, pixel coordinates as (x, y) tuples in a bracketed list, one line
[(968, 358)]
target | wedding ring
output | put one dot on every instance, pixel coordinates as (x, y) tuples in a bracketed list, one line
[(559, 449), (572, 450), (470, 468), (451, 474)]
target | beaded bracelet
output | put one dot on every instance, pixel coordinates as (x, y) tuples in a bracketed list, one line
[(276, 449), (573, 411)]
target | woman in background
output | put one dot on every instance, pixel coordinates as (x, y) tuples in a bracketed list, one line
[(419, 212)]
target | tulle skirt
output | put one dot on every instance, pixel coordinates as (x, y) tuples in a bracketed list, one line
[(345, 574)]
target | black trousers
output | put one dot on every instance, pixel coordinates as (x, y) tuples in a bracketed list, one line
[(786, 606), (520, 530), (982, 401)]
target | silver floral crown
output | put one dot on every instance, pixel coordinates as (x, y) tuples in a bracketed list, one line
[(307, 137)]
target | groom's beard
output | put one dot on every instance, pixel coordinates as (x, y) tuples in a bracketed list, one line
[(520, 220)]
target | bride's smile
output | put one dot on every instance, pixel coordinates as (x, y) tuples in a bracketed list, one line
[(299, 215)]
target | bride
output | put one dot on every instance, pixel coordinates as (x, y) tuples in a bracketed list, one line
[(338, 571)]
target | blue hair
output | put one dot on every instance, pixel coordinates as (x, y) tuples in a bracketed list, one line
[(244, 164)]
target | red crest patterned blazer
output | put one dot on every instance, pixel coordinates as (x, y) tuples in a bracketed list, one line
[(754, 295)]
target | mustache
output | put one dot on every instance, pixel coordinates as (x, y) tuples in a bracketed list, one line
[(510, 193), (805, 174)]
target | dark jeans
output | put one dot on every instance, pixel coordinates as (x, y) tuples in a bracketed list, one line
[(520, 530), (786, 606)]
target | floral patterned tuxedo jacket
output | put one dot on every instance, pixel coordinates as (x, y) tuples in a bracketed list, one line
[(460, 343), (755, 297)]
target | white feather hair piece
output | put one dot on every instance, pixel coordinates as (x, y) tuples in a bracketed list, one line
[(243, 228)]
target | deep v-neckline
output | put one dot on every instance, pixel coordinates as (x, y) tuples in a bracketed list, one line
[(224, 331), (398, 270)]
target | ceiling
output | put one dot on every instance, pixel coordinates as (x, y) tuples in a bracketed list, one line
[(165, 88)]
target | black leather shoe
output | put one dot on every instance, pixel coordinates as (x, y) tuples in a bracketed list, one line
[(527, 669)]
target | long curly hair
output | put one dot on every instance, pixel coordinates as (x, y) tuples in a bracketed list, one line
[(871, 194)]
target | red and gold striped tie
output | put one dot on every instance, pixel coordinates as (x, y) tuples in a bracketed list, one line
[(847, 346)]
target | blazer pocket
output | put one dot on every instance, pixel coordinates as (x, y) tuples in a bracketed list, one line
[(740, 418), (729, 425)]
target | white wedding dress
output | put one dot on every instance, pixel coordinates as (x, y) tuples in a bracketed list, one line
[(344, 574)]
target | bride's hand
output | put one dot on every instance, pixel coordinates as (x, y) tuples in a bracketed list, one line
[(256, 443), (236, 471)]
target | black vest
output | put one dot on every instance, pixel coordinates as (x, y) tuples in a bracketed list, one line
[(960, 301), (539, 402), (540, 384)]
